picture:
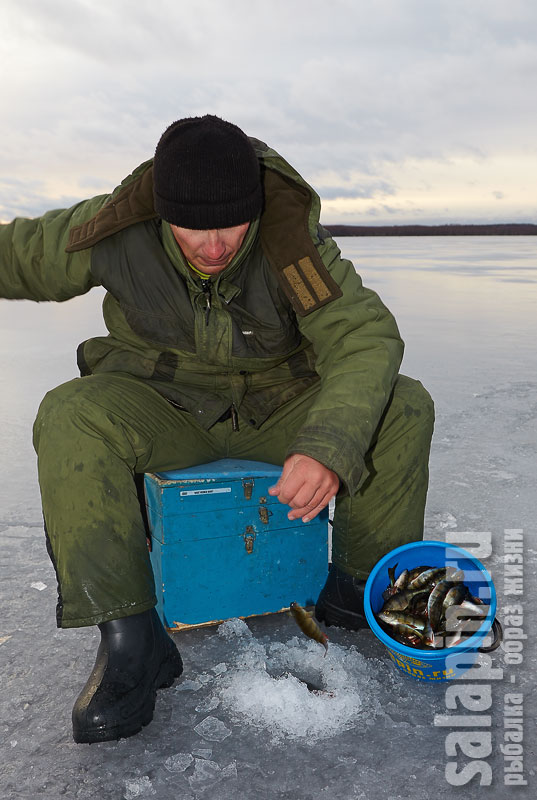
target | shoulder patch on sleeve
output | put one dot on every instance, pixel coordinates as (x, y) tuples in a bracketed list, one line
[(289, 246), (308, 286)]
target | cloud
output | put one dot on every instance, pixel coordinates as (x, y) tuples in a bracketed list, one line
[(351, 88), (27, 199)]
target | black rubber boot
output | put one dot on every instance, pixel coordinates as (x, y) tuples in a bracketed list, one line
[(341, 601), (135, 658)]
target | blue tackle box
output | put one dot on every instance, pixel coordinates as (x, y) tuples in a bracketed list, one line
[(222, 547)]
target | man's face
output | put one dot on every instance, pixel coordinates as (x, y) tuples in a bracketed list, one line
[(210, 251)]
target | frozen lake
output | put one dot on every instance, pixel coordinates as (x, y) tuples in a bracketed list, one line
[(237, 724)]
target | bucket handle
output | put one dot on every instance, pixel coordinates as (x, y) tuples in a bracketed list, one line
[(498, 637)]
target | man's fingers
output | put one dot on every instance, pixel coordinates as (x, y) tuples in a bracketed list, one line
[(289, 485), (306, 485), (308, 512), (276, 489), (308, 497), (298, 489)]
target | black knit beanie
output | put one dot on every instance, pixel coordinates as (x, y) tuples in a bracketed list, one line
[(206, 175)]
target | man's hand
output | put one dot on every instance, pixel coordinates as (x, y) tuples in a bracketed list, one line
[(306, 485)]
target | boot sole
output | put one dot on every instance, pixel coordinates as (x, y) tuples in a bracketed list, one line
[(169, 670), (123, 731)]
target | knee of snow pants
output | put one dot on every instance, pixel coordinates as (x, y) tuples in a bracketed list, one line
[(91, 436)]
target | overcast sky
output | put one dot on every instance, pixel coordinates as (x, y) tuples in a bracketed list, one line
[(394, 110)]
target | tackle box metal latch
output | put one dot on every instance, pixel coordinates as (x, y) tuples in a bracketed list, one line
[(264, 512), (249, 538), (247, 486)]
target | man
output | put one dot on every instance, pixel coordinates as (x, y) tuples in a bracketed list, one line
[(235, 330)]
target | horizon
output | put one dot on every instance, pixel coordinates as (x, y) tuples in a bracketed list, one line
[(492, 225)]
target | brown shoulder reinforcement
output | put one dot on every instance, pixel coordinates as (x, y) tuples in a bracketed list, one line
[(289, 247), (133, 203)]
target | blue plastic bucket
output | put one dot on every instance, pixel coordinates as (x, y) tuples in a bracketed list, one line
[(445, 663)]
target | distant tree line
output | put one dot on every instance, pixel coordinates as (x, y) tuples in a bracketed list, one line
[(506, 229)]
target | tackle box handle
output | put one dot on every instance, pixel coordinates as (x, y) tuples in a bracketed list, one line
[(498, 637)]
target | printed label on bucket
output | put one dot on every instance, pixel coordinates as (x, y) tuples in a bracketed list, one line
[(412, 660), (401, 662)]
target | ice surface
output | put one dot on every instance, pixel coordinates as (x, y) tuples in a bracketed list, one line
[(208, 704), (190, 686), (179, 762), (470, 328), (208, 773), (138, 787), (230, 771), (205, 772), (202, 752), (212, 729)]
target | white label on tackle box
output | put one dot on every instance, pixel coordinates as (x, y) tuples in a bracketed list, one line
[(205, 491)]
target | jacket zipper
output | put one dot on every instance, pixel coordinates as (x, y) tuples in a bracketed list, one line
[(234, 418), (206, 289)]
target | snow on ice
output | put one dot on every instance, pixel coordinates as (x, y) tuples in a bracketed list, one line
[(343, 687)]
